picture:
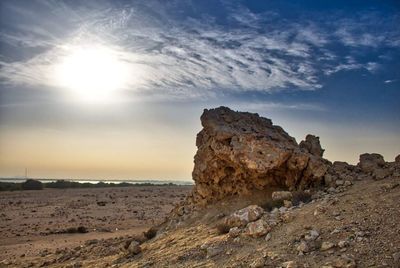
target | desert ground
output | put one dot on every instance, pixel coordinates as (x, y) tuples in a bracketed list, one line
[(34, 224)]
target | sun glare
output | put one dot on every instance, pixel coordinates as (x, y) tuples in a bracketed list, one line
[(92, 73)]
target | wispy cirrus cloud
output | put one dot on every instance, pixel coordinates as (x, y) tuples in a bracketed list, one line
[(189, 57)]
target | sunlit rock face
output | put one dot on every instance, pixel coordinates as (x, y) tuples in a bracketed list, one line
[(239, 152)]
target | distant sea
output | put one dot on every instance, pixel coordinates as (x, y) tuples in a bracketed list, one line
[(155, 182)]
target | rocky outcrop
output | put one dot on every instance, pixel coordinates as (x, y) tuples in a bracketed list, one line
[(312, 145), (239, 152), (369, 162)]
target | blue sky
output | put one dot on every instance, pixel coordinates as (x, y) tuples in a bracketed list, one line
[(327, 68)]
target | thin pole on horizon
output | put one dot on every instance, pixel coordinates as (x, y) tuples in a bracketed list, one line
[(26, 173)]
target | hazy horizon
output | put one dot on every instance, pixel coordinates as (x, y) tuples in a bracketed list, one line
[(115, 89)]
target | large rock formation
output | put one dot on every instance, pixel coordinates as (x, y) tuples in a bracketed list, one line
[(239, 152)]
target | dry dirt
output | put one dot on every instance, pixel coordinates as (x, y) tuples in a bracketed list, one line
[(33, 223), (365, 215)]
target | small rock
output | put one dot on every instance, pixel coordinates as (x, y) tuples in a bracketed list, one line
[(257, 228), (287, 203), (289, 264), (313, 234), (343, 244), (331, 190), (134, 247), (348, 183), (345, 262), (275, 211), (91, 242), (213, 251), (326, 245), (396, 259), (282, 195), (282, 209), (257, 263), (336, 213), (268, 237), (339, 182), (389, 186), (234, 232), (303, 247)]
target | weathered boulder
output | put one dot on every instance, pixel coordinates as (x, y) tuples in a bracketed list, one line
[(312, 145), (257, 228), (369, 162), (244, 216), (239, 152)]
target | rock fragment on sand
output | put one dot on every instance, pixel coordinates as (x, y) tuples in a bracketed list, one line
[(234, 232), (134, 247), (257, 228), (282, 195), (244, 216), (326, 245)]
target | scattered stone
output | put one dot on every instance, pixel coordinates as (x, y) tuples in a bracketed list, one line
[(326, 245), (339, 182), (303, 247), (234, 232), (287, 203), (243, 216), (282, 195), (343, 244), (345, 262), (389, 186), (347, 183), (213, 251), (134, 247), (313, 234), (396, 256), (282, 209), (289, 264), (257, 228), (257, 263), (268, 237)]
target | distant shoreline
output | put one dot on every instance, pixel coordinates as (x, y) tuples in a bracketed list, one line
[(155, 182), (17, 184)]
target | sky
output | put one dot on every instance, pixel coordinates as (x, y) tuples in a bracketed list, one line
[(114, 89)]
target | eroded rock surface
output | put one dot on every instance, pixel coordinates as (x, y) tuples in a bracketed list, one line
[(312, 145), (239, 152)]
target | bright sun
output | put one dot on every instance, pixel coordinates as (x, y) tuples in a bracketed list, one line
[(92, 73)]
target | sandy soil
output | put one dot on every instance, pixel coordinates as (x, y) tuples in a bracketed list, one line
[(33, 223)]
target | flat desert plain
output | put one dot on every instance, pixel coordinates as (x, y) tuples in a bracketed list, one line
[(35, 224)]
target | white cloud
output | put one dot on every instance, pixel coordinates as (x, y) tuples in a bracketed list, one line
[(189, 58), (389, 81)]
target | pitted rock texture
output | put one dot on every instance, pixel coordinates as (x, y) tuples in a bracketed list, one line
[(239, 152)]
